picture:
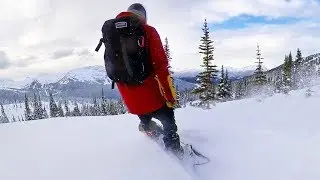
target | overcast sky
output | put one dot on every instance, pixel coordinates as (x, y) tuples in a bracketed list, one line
[(44, 36)]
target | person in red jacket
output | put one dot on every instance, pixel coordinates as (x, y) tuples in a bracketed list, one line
[(156, 97)]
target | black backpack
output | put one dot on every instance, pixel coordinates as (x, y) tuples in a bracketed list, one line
[(126, 55)]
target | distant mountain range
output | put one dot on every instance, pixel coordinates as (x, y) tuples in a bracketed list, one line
[(87, 82), (234, 73)]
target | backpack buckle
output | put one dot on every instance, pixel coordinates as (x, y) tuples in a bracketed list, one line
[(141, 42)]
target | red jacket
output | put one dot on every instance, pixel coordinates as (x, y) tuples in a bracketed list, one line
[(157, 89)]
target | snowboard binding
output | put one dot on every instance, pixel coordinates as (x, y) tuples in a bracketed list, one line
[(152, 129)]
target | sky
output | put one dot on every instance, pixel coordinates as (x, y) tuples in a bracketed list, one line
[(49, 36)]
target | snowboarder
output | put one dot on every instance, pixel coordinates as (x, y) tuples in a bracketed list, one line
[(155, 97)]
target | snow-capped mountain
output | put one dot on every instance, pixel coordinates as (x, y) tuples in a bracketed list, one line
[(91, 74), (8, 83), (234, 73), (84, 82)]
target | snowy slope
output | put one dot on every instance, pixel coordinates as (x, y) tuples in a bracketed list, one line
[(82, 149), (276, 139)]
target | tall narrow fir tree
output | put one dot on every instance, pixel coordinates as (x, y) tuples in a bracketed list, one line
[(205, 78), (168, 54), (260, 77)]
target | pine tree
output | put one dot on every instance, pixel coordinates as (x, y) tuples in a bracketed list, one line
[(222, 86), (96, 108), (168, 54), (298, 72), (37, 109), (287, 74), (239, 91), (54, 110), (66, 107), (3, 117), (76, 110), (104, 104), (205, 78), (27, 111), (260, 77), (45, 113), (42, 111), (113, 108), (60, 110), (228, 86)]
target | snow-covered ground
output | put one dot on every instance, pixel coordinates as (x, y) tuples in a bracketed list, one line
[(278, 139)]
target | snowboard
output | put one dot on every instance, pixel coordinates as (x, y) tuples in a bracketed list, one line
[(191, 160)]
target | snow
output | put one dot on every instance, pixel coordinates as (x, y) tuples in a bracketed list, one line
[(277, 138)]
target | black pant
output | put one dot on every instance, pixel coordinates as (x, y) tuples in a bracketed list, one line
[(166, 116)]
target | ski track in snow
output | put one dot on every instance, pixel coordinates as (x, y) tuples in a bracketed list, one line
[(276, 139)]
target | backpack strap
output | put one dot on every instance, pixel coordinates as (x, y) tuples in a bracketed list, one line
[(112, 85), (100, 44), (125, 57)]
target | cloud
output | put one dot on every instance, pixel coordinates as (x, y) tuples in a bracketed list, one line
[(85, 53), (25, 61), (4, 60), (64, 30), (62, 53)]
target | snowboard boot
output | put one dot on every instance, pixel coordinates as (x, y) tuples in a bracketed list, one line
[(152, 129), (185, 153)]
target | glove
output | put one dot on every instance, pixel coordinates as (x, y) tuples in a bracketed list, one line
[(169, 93), (172, 103)]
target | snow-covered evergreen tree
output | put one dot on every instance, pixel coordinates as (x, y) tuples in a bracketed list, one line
[(3, 117), (121, 108), (27, 111), (228, 86), (43, 114), (66, 107), (61, 113), (206, 89), (112, 108), (54, 110), (86, 110), (239, 92), (298, 70), (76, 110), (104, 104), (95, 110), (287, 74), (168, 54), (221, 95), (260, 77), (38, 112), (224, 86)]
